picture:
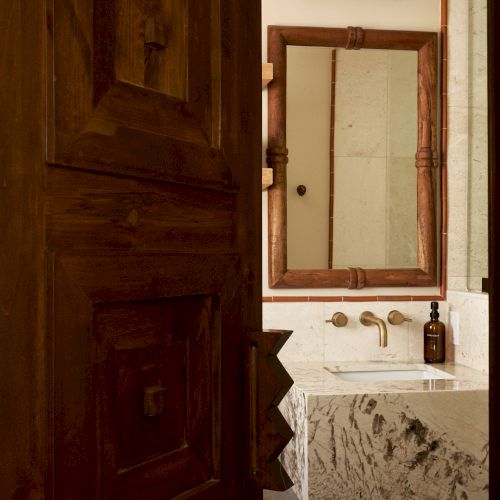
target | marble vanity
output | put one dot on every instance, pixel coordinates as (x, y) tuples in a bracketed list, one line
[(403, 439)]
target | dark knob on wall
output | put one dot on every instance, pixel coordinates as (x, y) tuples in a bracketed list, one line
[(301, 189)]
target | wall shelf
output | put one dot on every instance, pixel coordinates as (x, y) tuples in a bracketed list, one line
[(267, 178), (267, 74)]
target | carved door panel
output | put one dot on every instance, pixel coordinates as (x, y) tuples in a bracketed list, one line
[(153, 242)]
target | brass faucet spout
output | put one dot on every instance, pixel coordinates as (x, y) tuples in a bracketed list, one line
[(367, 318)]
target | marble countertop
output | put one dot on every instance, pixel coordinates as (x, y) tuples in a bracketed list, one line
[(317, 379)]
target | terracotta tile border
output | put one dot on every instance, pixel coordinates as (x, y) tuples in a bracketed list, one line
[(332, 160), (325, 299), (444, 146), (353, 298)]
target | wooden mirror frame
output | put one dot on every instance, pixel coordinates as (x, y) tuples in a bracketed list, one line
[(426, 157)]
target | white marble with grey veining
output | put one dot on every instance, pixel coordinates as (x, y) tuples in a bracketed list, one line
[(294, 410), (315, 379), (387, 440)]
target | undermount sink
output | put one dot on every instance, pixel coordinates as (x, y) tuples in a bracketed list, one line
[(374, 374)]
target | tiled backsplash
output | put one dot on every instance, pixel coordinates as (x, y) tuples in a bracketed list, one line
[(472, 349), (315, 340)]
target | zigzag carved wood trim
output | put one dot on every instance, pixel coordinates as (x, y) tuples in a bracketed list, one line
[(269, 432)]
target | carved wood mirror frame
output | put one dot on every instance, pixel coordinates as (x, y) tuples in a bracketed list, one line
[(425, 274)]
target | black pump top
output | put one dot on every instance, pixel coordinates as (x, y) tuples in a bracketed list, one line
[(434, 310)]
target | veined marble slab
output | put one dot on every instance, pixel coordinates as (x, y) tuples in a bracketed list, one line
[(316, 378), (387, 440)]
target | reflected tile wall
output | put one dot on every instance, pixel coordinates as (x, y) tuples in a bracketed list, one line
[(361, 103), (359, 212), (401, 209)]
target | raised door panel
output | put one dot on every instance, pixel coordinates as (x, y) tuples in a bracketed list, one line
[(136, 88), (138, 376)]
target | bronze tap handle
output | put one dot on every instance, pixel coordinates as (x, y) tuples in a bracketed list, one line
[(396, 318), (339, 320)]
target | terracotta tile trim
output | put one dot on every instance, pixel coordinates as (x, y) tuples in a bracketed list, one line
[(360, 298), (444, 147)]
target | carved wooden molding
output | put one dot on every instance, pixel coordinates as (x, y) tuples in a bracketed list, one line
[(268, 382), (357, 278), (425, 274), (277, 156), (355, 38)]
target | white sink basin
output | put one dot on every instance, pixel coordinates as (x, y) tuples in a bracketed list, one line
[(374, 374)]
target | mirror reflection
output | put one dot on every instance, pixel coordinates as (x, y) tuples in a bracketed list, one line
[(352, 133)]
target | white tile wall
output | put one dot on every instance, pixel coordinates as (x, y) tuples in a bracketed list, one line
[(473, 312), (315, 340)]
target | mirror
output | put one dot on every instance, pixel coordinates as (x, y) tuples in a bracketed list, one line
[(348, 207), (351, 115)]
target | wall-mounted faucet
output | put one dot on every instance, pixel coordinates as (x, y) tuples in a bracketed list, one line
[(367, 318)]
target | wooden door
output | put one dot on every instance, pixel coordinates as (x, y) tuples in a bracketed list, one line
[(134, 132), (151, 134)]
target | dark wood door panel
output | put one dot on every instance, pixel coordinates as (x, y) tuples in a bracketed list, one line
[(151, 44), (132, 130), (92, 211), (136, 88), (138, 374)]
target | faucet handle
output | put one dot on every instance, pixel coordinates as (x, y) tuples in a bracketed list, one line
[(396, 318), (339, 319)]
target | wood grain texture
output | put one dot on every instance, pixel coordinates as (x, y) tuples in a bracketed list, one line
[(267, 177), (134, 213), (267, 74), (131, 249), (138, 339), (116, 108), (427, 156), (22, 260), (270, 431)]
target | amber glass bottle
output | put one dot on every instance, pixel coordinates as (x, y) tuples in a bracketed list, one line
[(434, 335)]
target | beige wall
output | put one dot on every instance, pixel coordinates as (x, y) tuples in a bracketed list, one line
[(312, 338)]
